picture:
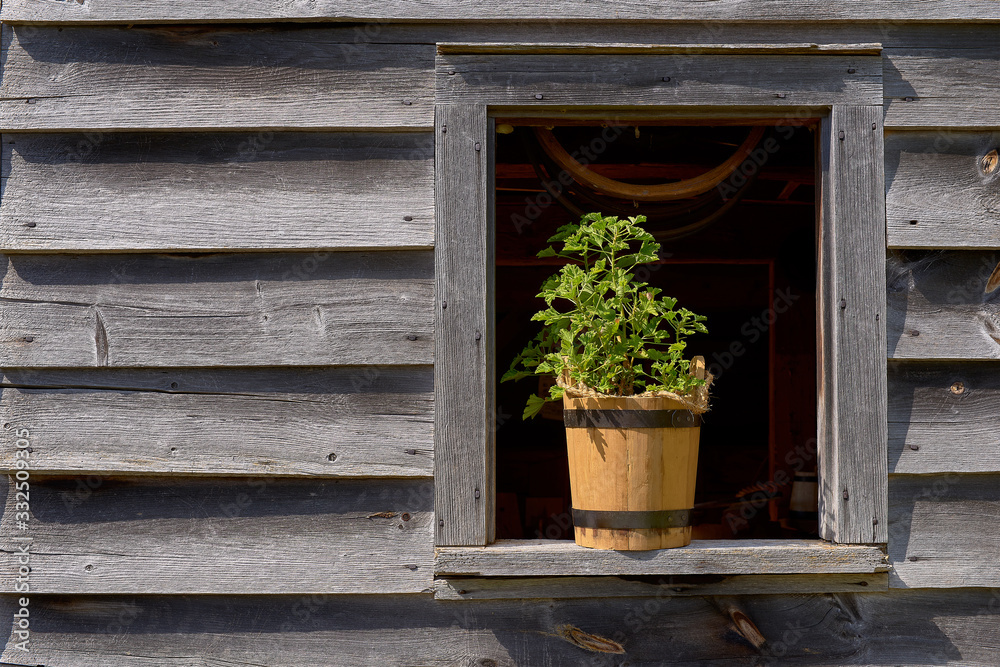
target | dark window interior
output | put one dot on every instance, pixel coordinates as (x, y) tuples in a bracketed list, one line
[(748, 264)]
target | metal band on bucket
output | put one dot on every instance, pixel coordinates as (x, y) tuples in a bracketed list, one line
[(625, 520), (631, 419)]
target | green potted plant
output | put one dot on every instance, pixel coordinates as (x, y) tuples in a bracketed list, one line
[(632, 401)]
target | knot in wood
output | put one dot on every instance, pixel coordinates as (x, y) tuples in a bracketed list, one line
[(989, 162), (958, 388)]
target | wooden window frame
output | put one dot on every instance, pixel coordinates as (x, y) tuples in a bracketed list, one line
[(840, 85)]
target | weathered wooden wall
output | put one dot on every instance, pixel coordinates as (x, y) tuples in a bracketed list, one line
[(216, 323)]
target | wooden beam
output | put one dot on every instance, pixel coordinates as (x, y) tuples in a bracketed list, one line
[(464, 381), (556, 588), (939, 307), (221, 191), (354, 421), (680, 80), (941, 189), (191, 11), (938, 533), (539, 558), (852, 397), (296, 309), (233, 537), (65, 79)]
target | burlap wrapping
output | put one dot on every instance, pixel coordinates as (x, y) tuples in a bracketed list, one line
[(696, 401)]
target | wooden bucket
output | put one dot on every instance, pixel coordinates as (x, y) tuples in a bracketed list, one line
[(632, 467)]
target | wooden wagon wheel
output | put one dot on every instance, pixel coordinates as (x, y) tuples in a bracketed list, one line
[(648, 193)]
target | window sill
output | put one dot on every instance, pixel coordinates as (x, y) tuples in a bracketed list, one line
[(560, 558)]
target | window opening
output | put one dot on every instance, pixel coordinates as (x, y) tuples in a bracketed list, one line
[(743, 252)]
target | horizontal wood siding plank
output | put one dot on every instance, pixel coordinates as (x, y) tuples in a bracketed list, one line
[(754, 80), (234, 537), (954, 86), (941, 531), (295, 309), (914, 628), (354, 421), (944, 417), (127, 11), (199, 191), (485, 588), (540, 558), (941, 189), (191, 78), (938, 306)]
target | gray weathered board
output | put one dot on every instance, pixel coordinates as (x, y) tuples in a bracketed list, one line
[(464, 382), (852, 384), (633, 80), (189, 78), (940, 191), (101, 191), (504, 588), (913, 628), (228, 536), (541, 558), (941, 532), (939, 307), (944, 417), (249, 309), (133, 11), (935, 87), (351, 421)]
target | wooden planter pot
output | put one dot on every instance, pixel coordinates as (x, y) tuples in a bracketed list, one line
[(632, 468)]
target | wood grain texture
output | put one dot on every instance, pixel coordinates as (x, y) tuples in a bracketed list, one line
[(224, 536), (939, 307), (486, 588), (540, 558), (915, 628), (340, 10), (944, 417), (953, 86), (299, 309), (464, 382), (190, 78), (941, 530), (216, 191), (691, 80), (938, 193), (375, 421), (852, 401)]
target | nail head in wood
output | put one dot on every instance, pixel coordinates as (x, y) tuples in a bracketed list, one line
[(780, 96), (30, 224), (913, 222), (666, 79), (915, 448), (411, 337), (847, 496), (840, 135), (440, 523), (478, 335), (407, 218), (478, 146), (477, 494), (407, 101), (410, 451), (29, 339), (444, 129), (539, 96), (444, 304), (851, 70), (332, 457), (843, 304), (451, 72), (907, 99)]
